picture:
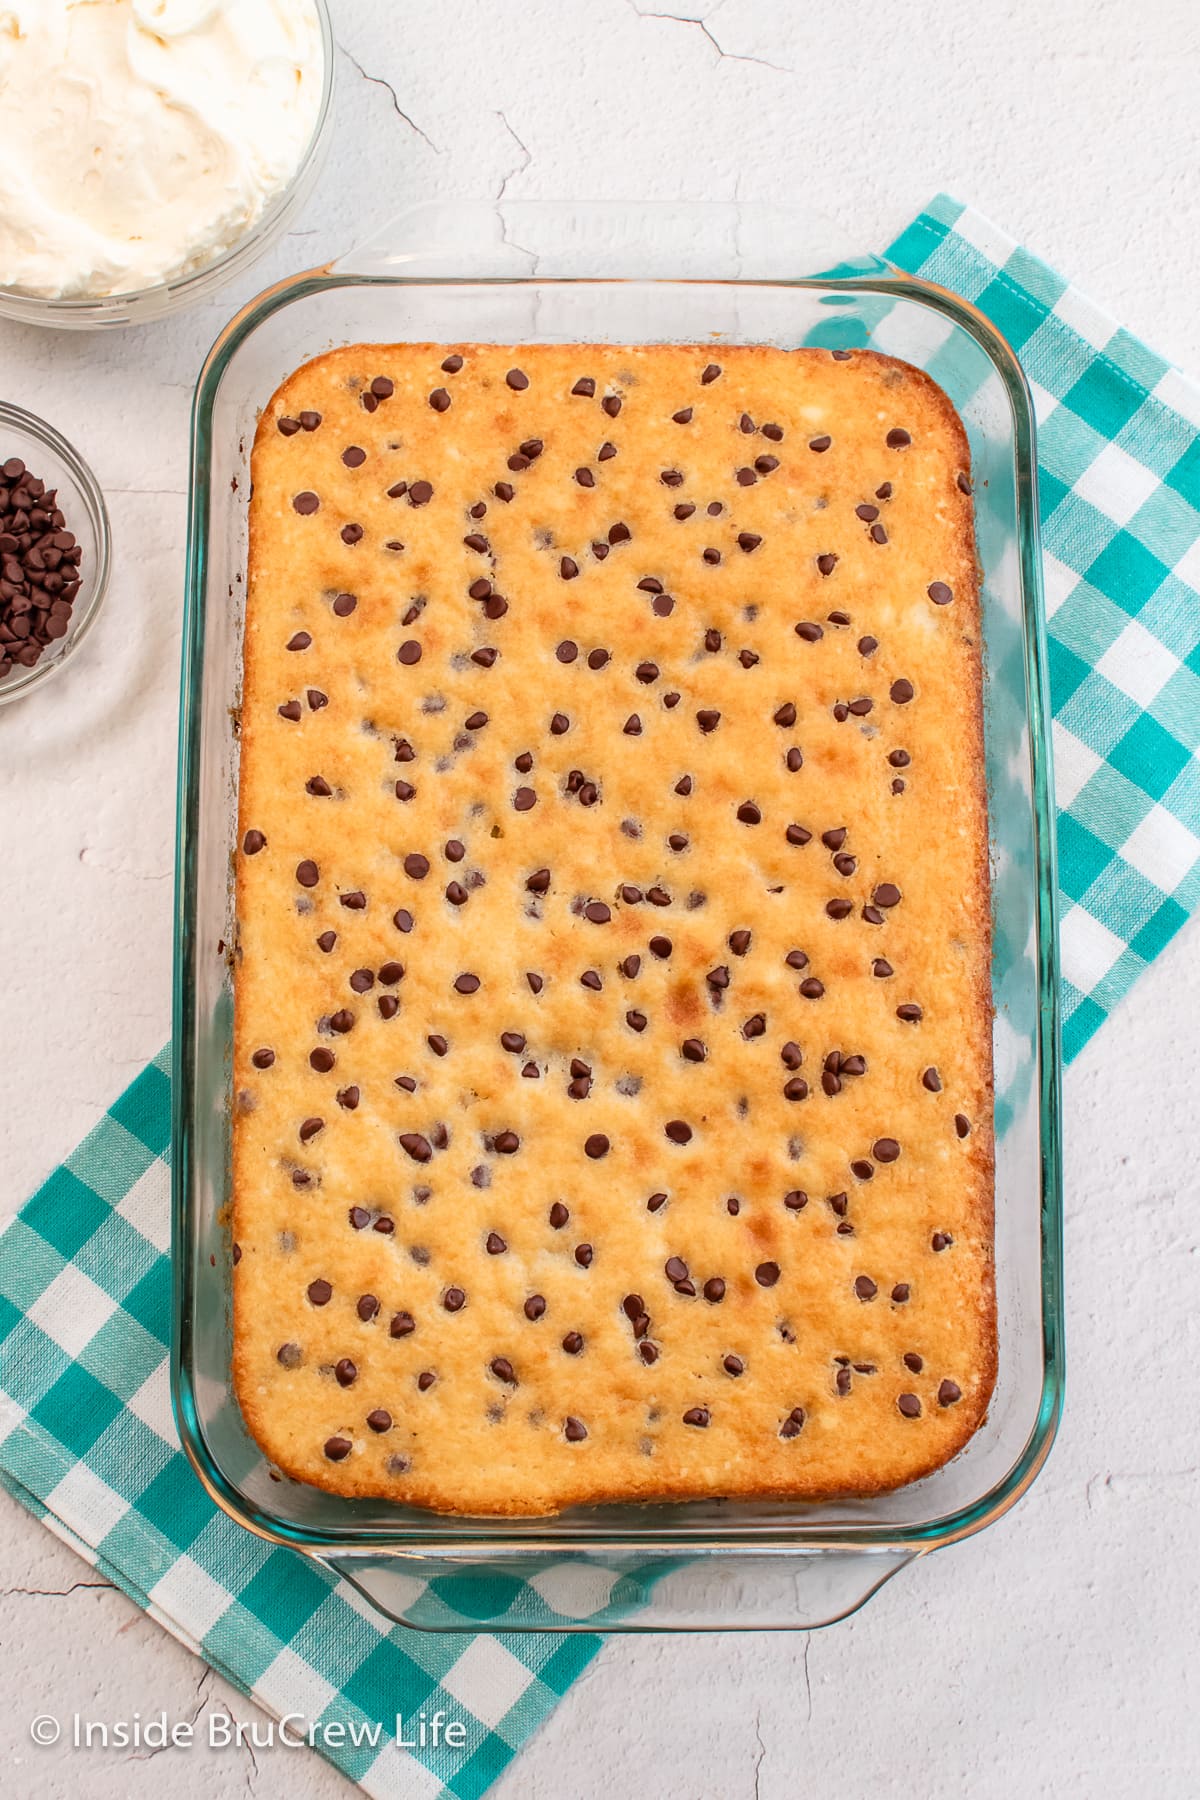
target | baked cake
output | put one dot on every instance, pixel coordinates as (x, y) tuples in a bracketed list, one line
[(613, 1021)]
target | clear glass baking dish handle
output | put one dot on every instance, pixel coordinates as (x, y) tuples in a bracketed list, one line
[(557, 240), (780, 1588)]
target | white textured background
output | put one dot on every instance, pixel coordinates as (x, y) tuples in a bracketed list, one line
[(1057, 1653)]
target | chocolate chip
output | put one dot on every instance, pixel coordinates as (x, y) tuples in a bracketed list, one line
[(466, 984), (941, 1240), (811, 988), (749, 814), (798, 835), (939, 593), (910, 1012), (678, 1131), (909, 1406), (962, 1124), (307, 874), (697, 1415), (708, 720), (574, 1430), (902, 691), (597, 1146), (416, 866), (767, 1274), (263, 1059), (683, 416), (864, 1287), (796, 1201), (305, 503), (517, 380), (320, 1293), (337, 1449), (885, 1150), (948, 1393), (886, 894), (585, 387)]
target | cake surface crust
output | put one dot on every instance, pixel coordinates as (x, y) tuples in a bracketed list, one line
[(612, 1068)]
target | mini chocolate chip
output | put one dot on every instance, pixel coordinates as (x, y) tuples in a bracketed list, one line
[(263, 1059), (885, 1150), (962, 1124), (337, 1449), (748, 541), (596, 1146), (811, 988), (798, 835), (320, 1293), (909, 1406), (796, 1201), (939, 593), (697, 1415), (902, 691), (517, 380), (574, 1430), (910, 1012), (683, 416), (466, 984), (948, 1393), (755, 1026), (864, 1287), (708, 720), (678, 1131), (767, 1274)]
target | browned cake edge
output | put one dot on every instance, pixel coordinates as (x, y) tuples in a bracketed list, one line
[(970, 1414)]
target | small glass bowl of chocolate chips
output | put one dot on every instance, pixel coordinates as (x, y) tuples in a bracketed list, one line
[(54, 551)]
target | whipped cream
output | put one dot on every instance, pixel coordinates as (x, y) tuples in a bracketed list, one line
[(140, 139)]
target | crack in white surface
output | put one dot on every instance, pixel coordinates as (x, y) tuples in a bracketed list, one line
[(807, 1682), (378, 81), (57, 1593), (701, 24), (759, 1759), (517, 168)]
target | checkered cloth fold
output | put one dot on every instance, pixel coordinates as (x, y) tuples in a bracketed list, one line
[(86, 1436)]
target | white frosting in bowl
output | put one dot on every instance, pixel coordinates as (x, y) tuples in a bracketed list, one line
[(140, 139)]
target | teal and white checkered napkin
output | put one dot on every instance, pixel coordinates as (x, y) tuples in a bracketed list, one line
[(86, 1437)]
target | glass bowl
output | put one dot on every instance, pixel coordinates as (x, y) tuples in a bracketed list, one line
[(529, 272), (53, 460), (94, 311)]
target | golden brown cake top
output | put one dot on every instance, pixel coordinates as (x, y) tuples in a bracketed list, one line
[(613, 1028)]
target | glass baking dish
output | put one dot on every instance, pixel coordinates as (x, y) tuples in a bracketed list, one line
[(531, 272)]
